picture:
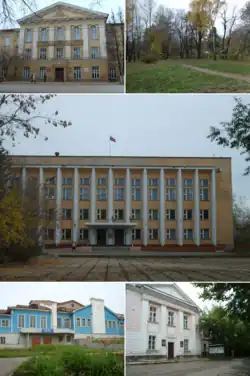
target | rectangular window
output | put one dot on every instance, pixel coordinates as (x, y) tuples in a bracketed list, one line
[(21, 321), (151, 342), (119, 194), (102, 181), (67, 194), (44, 35), (204, 194), (101, 214), (84, 181), (89, 323), (185, 322), (50, 193), (32, 321), (6, 41), (76, 33), (153, 234), (67, 214), (171, 318), (27, 54), (188, 182), (77, 73), (112, 73), (136, 182), (67, 181), (101, 194), (204, 214), (43, 53), (187, 214), (28, 34), (119, 214), (204, 233), (59, 33), (94, 52), (2, 340), (188, 194), (153, 214), (59, 322), (93, 34), (171, 234), (26, 73), (96, 72), (171, 182), (171, 214), (78, 322), (186, 345), (43, 322), (42, 72), (121, 325), (136, 234), (152, 314), (204, 182), (84, 194), (136, 214), (114, 324), (171, 194), (84, 234), (49, 234), (153, 194), (77, 53), (119, 181), (136, 194), (67, 323), (59, 52), (188, 234), (66, 234), (5, 323), (83, 323), (84, 214), (153, 182), (51, 181)]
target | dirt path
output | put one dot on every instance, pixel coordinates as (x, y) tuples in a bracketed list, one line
[(216, 73)]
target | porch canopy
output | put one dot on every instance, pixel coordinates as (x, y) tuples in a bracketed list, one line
[(46, 331), (112, 224)]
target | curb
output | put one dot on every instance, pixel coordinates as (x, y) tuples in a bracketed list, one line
[(94, 254)]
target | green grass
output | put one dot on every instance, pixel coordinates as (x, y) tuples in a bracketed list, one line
[(48, 350), (172, 77), (227, 66)]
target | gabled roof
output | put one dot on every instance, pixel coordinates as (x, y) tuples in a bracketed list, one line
[(62, 4), (30, 308)]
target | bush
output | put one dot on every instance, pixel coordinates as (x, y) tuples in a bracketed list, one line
[(17, 253), (151, 57), (40, 366)]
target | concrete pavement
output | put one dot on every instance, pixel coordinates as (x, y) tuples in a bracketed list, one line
[(61, 87), (9, 365)]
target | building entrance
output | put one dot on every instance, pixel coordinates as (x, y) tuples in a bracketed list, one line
[(59, 74), (101, 237), (119, 237)]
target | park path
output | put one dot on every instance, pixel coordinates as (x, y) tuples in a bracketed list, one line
[(216, 73)]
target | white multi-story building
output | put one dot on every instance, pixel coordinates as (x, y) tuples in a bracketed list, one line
[(161, 321)]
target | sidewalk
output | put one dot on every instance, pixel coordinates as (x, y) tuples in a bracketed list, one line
[(164, 361)]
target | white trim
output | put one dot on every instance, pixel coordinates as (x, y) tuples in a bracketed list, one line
[(21, 314), (179, 207), (162, 207), (33, 327), (145, 206), (46, 327), (196, 208), (76, 205), (136, 167)]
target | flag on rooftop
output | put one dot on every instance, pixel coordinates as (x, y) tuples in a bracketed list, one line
[(112, 139)]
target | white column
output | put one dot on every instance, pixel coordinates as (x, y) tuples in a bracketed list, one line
[(85, 41), (58, 205), (34, 43), (76, 204), (67, 38), (145, 206), (196, 207), (92, 231), (21, 41), (144, 325), (179, 207), (162, 207), (110, 195), (213, 199), (103, 42), (51, 39), (24, 178), (128, 207), (41, 204)]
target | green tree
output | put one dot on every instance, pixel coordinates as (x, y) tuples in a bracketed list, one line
[(235, 133)]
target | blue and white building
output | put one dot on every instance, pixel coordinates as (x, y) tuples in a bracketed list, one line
[(50, 322)]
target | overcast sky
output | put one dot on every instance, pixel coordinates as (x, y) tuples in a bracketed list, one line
[(13, 293), (153, 125)]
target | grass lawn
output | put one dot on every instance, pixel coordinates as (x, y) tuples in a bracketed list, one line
[(236, 67), (49, 350), (172, 77)]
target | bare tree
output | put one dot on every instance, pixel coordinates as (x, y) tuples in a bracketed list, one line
[(148, 10), (228, 23), (115, 36)]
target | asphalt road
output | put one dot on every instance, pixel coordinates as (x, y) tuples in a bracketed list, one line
[(9, 365), (193, 368), (60, 87), (130, 269)]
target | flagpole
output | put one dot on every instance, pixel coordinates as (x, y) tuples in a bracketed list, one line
[(109, 147)]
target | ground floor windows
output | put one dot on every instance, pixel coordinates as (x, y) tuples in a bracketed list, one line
[(66, 234), (95, 72), (77, 73), (42, 72), (188, 234), (153, 234), (110, 324), (26, 73), (151, 342), (186, 345), (204, 232), (2, 340), (171, 234), (112, 74), (136, 234), (84, 234), (49, 234)]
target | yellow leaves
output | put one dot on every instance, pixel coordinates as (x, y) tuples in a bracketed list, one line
[(203, 13)]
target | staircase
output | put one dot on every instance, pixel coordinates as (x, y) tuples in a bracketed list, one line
[(110, 248)]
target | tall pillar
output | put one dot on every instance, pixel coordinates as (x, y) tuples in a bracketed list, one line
[(196, 208), (67, 39), (58, 205), (85, 31), (24, 178), (51, 39), (92, 230), (76, 205), (34, 43), (103, 42), (213, 199), (110, 195), (180, 207), (145, 207), (162, 208), (21, 41), (128, 207), (41, 205)]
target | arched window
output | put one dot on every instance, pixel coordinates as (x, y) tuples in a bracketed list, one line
[(93, 32)]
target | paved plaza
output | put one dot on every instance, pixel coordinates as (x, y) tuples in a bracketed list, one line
[(8, 365), (61, 87), (236, 367), (130, 269)]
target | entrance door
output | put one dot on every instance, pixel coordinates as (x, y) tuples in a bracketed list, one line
[(170, 350), (101, 237), (59, 74), (36, 341), (119, 237), (47, 340)]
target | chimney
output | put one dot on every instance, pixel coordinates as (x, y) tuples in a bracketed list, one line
[(98, 316)]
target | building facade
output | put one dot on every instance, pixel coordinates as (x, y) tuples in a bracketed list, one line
[(63, 42), (49, 322), (161, 321), (140, 201)]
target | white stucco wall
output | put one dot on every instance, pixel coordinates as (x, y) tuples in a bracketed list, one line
[(13, 340), (98, 316)]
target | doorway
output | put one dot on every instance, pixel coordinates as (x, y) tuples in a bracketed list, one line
[(170, 350), (59, 74), (47, 340), (101, 237), (119, 237), (36, 341)]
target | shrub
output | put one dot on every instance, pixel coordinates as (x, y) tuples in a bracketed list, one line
[(40, 366), (151, 57), (17, 253)]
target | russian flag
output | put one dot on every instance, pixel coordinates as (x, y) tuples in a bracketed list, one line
[(112, 139)]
